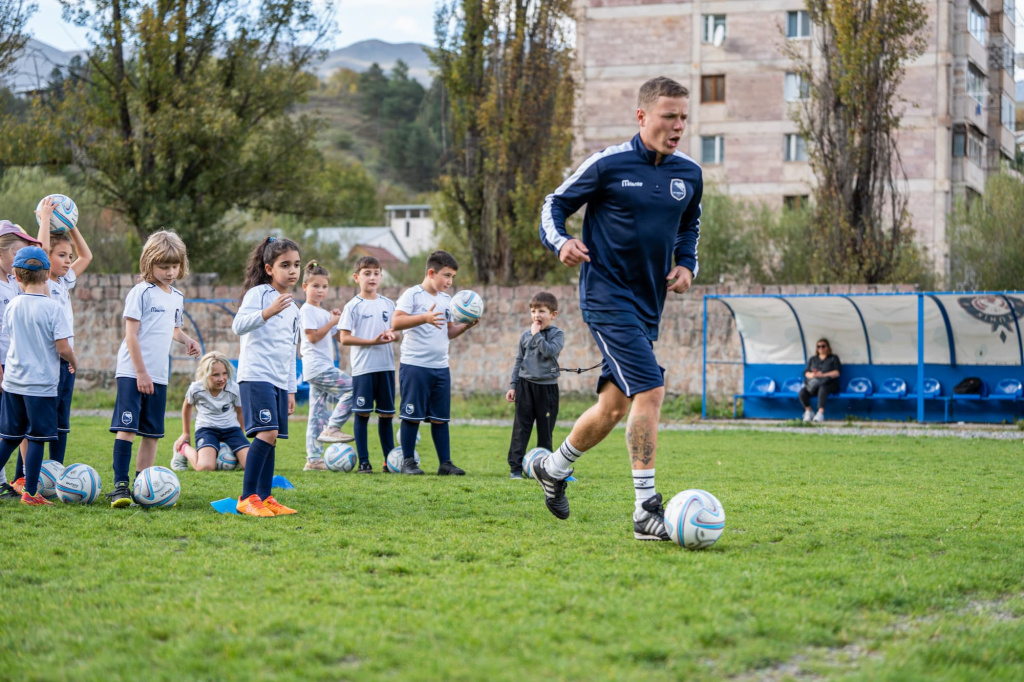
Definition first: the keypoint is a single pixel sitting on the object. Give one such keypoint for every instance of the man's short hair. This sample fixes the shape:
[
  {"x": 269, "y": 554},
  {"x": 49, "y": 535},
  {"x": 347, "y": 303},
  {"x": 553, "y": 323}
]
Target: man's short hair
[
  {"x": 659, "y": 87},
  {"x": 546, "y": 300},
  {"x": 439, "y": 260}
]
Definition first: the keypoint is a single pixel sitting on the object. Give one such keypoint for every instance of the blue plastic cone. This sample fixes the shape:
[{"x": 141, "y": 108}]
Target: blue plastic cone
[
  {"x": 282, "y": 483},
  {"x": 225, "y": 506}
]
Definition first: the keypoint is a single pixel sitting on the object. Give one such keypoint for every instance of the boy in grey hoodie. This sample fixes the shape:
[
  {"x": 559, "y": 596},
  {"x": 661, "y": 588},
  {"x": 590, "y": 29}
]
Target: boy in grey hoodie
[{"x": 534, "y": 382}]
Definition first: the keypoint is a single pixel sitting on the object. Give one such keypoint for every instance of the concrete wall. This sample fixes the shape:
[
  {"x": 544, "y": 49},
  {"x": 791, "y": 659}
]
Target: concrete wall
[{"x": 481, "y": 360}]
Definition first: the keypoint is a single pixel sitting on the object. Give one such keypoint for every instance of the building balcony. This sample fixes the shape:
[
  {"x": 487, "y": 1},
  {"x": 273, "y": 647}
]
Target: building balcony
[
  {"x": 970, "y": 110},
  {"x": 976, "y": 52},
  {"x": 1007, "y": 141},
  {"x": 967, "y": 171},
  {"x": 1006, "y": 81},
  {"x": 1006, "y": 25}
]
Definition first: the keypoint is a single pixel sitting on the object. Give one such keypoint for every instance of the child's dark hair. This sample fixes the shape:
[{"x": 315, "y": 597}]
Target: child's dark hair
[
  {"x": 263, "y": 254},
  {"x": 544, "y": 299},
  {"x": 440, "y": 260},
  {"x": 314, "y": 269},
  {"x": 367, "y": 262}
]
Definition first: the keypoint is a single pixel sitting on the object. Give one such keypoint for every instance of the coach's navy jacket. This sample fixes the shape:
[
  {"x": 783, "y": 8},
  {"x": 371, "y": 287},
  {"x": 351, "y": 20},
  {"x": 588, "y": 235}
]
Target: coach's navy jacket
[{"x": 639, "y": 216}]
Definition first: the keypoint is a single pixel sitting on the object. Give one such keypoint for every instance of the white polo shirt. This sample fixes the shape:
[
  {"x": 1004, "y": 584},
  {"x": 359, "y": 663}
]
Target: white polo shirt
[
  {"x": 367, "y": 318},
  {"x": 425, "y": 345},
  {"x": 267, "y": 347},
  {"x": 35, "y": 323},
  {"x": 159, "y": 313},
  {"x": 214, "y": 411}
]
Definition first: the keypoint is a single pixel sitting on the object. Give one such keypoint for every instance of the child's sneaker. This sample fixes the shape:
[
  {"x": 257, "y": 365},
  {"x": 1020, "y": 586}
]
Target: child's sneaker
[
  {"x": 449, "y": 469},
  {"x": 277, "y": 508},
  {"x": 367, "y": 468},
  {"x": 179, "y": 462},
  {"x": 253, "y": 506},
  {"x": 19, "y": 485},
  {"x": 313, "y": 465},
  {"x": 516, "y": 475},
  {"x": 384, "y": 468},
  {"x": 332, "y": 434},
  {"x": 7, "y": 492},
  {"x": 121, "y": 497},
  {"x": 36, "y": 500}
]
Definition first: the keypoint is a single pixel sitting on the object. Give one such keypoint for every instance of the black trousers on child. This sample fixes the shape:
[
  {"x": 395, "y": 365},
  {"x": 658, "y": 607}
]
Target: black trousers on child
[{"x": 534, "y": 403}]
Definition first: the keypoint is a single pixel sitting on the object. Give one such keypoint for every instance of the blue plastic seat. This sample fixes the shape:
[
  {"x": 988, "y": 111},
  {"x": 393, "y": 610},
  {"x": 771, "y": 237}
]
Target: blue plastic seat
[
  {"x": 894, "y": 387},
  {"x": 1007, "y": 389},
  {"x": 762, "y": 386},
  {"x": 858, "y": 387},
  {"x": 931, "y": 388},
  {"x": 792, "y": 386}
]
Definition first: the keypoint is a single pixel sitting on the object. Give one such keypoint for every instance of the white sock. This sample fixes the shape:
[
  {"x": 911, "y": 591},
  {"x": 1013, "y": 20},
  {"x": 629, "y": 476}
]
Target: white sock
[
  {"x": 643, "y": 486},
  {"x": 562, "y": 459}
]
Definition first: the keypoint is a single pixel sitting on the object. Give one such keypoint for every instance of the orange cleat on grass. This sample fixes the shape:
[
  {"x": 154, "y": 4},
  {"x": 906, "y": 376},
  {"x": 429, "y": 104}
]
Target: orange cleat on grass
[
  {"x": 253, "y": 506},
  {"x": 278, "y": 508},
  {"x": 36, "y": 500},
  {"x": 19, "y": 485}
]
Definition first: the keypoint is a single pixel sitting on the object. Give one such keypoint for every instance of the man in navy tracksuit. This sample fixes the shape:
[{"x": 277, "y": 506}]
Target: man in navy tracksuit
[{"x": 643, "y": 213}]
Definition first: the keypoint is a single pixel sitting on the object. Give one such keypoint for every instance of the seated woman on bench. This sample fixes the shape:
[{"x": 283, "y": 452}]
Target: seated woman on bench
[{"x": 821, "y": 378}]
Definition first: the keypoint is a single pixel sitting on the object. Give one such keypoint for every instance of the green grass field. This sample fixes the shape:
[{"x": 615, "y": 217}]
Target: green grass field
[{"x": 843, "y": 557}]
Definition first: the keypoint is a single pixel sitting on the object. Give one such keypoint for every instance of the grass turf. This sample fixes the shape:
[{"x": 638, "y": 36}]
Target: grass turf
[{"x": 860, "y": 558}]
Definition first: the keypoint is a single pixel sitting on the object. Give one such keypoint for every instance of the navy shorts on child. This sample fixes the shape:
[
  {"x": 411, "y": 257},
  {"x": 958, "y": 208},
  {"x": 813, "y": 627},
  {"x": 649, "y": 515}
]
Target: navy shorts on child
[
  {"x": 376, "y": 389},
  {"x": 64, "y": 393},
  {"x": 210, "y": 437},
  {"x": 426, "y": 393},
  {"x": 28, "y": 416},
  {"x": 137, "y": 412},
  {"x": 264, "y": 408}
]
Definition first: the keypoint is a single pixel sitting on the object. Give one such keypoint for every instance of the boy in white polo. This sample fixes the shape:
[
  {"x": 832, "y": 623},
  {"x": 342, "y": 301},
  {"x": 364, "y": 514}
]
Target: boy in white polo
[
  {"x": 366, "y": 326},
  {"x": 39, "y": 339}
]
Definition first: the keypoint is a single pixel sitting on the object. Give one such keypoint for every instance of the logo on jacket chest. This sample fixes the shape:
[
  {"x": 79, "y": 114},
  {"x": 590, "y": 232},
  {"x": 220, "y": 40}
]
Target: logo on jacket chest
[
  {"x": 630, "y": 183},
  {"x": 677, "y": 188}
]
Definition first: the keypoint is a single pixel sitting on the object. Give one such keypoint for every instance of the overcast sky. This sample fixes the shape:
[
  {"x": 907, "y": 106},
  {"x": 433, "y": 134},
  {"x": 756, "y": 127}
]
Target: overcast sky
[{"x": 395, "y": 21}]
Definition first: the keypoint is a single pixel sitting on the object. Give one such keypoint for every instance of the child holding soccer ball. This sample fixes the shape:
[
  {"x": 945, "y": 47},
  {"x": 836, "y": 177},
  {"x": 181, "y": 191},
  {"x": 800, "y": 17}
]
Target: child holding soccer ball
[
  {"x": 327, "y": 383},
  {"x": 218, "y": 405},
  {"x": 366, "y": 326},
  {"x": 268, "y": 324}
]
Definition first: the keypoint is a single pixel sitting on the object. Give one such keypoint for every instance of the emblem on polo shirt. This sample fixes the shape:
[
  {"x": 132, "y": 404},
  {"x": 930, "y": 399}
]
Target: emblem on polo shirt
[
  {"x": 678, "y": 189},
  {"x": 265, "y": 416}
]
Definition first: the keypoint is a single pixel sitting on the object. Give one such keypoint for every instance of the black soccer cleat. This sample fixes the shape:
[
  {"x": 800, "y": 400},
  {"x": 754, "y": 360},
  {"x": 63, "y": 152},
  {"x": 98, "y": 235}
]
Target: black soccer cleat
[
  {"x": 122, "y": 495},
  {"x": 516, "y": 475},
  {"x": 8, "y": 493},
  {"x": 649, "y": 524},
  {"x": 449, "y": 469},
  {"x": 554, "y": 489},
  {"x": 410, "y": 468},
  {"x": 367, "y": 468},
  {"x": 384, "y": 468}
]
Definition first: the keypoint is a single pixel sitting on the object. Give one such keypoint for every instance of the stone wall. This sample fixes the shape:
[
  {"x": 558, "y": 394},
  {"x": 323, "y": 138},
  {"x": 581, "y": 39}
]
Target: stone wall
[{"x": 481, "y": 360}]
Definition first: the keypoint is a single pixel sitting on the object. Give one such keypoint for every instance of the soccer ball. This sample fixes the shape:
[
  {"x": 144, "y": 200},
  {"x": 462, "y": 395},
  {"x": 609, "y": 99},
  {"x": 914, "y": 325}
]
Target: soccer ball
[
  {"x": 467, "y": 306},
  {"x": 226, "y": 460},
  {"x": 156, "y": 487},
  {"x": 340, "y": 457},
  {"x": 531, "y": 457},
  {"x": 695, "y": 519},
  {"x": 65, "y": 213},
  {"x": 48, "y": 476},
  {"x": 78, "y": 483},
  {"x": 395, "y": 458}
]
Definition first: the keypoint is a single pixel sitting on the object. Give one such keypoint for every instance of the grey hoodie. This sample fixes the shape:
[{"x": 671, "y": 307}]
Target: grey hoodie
[{"x": 537, "y": 360}]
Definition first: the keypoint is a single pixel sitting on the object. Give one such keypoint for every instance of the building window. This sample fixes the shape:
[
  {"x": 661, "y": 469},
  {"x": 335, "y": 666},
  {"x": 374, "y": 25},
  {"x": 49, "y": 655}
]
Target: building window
[
  {"x": 795, "y": 202},
  {"x": 959, "y": 141},
  {"x": 712, "y": 23},
  {"x": 414, "y": 213},
  {"x": 1010, "y": 10},
  {"x": 976, "y": 86},
  {"x": 712, "y": 89},
  {"x": 712, "y": 149},
  {"x": 975, "y": 148},
  {"x": 977, "y": 23},
  {"x": 1006, "y": 112},
  {"x": 796, "y": 148},
  {"x": 796, "y": 88},
  {"x": 798, "y": 24}
]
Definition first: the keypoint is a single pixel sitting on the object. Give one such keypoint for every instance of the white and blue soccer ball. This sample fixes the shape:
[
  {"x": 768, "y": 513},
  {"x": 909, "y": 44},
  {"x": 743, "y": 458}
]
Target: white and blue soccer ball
[
  {"x": 78, "y": 483},
  {"x": 340, "y": 457},
  {"x": 532, "y": 456},
  {"x": 65, "y": 213},
  {"x": 156, "y": 487},
  {"x": 396, "y": 457},
  {"x": 467, "y": 306},
  {"x": 226, "y": 459},
  {"x": 695, "y": 519},
  {"x": 48, "y": 475}
]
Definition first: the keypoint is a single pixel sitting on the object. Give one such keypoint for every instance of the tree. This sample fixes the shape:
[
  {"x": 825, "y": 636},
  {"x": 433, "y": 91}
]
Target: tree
[
  {"x": 14, "y": 14},
  {"x": 182, "y": 114},
  {"x": 986, "y": 250},
  {"x": 506, "y": 70},
  {"x": 862, "y": 230}
]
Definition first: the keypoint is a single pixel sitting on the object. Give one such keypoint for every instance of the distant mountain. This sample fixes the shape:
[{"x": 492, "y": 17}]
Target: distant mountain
[
  {"x": 32, "y": 69},
  {"x": 359, "y": 56}
]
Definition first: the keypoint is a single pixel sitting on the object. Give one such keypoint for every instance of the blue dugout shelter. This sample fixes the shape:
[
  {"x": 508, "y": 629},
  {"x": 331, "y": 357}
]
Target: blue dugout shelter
[{"x": 902, "y": 354}]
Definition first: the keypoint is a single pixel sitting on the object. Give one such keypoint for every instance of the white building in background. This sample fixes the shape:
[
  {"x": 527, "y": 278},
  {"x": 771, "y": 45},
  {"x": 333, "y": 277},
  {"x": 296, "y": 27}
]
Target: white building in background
[
  {"x": 347, "y": 238},
  {"x": 413, "y": 226}
]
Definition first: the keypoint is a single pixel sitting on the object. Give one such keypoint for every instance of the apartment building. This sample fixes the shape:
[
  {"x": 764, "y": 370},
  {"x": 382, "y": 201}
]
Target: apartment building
[{"x": 958, "y": 119}]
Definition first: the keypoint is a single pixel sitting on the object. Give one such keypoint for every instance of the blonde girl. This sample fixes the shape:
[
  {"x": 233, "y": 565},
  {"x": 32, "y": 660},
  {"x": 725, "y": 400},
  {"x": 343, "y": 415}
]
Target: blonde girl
[
  {"x": 327, "y": 383},
  {"x": 218, "y": 406}
]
